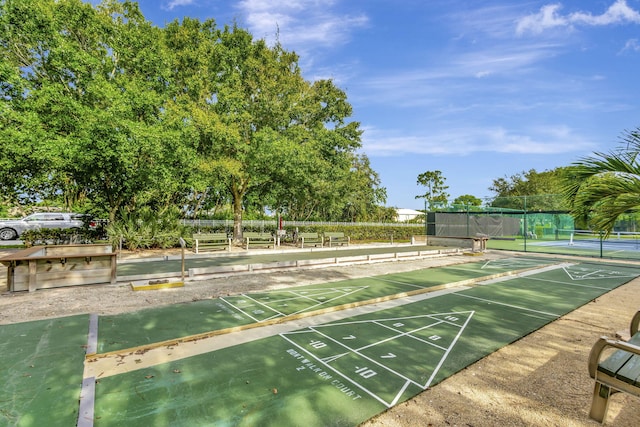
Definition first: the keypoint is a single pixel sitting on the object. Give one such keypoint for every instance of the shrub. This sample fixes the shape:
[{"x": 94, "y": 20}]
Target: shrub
[{"x": 146, "y": 229}]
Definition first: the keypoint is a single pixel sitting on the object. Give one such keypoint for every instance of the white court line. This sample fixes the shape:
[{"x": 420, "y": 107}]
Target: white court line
[
  {"x": 327, "y": 301},
  {"x": 240, "y": 310},
  {"x": 363, "y": 388},
  {"x": 404, "y": 334},
  {"x": 507, "y": 305},
  {"x": 525, "y": 273},
  {"x": 571, "y": 284},
  {"x": 446, "y": 354},
  {"x": 278, "y": 313},
  {"x": 326, "y": 361}
]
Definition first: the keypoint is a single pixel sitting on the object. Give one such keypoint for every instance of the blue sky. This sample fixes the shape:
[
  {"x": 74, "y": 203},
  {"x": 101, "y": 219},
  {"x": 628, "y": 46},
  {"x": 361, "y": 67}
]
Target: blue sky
[{"x": 479, "y": 89}]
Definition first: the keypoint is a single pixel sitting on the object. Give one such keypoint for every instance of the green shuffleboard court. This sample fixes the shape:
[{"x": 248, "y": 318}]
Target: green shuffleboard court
[
  {"x": 160, "y": 324},
  {"x": 41, "y": 373},
  {"x": 325, "y": 373},
  {"x": 344, "y": 372}
]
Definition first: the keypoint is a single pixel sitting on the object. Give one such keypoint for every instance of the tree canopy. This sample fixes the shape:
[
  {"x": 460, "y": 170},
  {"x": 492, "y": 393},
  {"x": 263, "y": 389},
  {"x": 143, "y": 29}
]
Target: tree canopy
[
  {"x": 467, "y": 200},
  {"x": 530, "y": 190},
  {"x": 435, "y": 188},
  {"x": 102, "y": 111}
]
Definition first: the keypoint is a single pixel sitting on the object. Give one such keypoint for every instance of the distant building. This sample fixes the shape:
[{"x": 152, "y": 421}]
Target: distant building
[{"x": 407, "y": 214}]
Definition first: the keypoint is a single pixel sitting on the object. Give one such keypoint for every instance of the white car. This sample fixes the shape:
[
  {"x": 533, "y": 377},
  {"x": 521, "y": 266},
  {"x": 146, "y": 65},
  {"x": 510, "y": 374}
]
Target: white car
[{"x": 11, "y": 229}]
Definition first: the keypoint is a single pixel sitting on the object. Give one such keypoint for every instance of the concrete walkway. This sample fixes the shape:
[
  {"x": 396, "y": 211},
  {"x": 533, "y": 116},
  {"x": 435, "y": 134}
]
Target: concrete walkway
[{"x": 133, "y": 268}]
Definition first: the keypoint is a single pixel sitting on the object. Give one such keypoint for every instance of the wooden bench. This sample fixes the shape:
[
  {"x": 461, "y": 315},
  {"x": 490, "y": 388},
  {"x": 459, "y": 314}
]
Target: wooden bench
[
  {"x": 253, "y": 239},
  {"x": 336, "y": 238},
  {"x": 618, "y": 372},
  {"x": 204, "y": 241},
  {"x": 310, "y": 239}
]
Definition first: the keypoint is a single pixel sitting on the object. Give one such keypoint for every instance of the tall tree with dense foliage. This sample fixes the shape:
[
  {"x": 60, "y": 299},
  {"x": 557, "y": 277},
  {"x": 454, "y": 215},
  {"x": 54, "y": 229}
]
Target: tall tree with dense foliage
[
  {"x": 530, "y": 190},
  {"x": 601, "y": 187},
  {"x": 273, "y": 125},
  {"x": 467, "y": 200},
  {"x": 109, "y": 112},
  {"x": 92, "y": 87},
  {"x": 435, "y": 187}
]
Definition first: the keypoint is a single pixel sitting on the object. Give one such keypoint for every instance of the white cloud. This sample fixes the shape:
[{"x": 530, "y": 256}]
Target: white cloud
[
  {"x": 617, "y": 13},
  {"x": 300, "y": 24},
  {"x": 467, "y": 141},
  {"x": 631, "y": 45},
  {"x": 549, "y": 17},
  {"x": 176, "y": 3}
]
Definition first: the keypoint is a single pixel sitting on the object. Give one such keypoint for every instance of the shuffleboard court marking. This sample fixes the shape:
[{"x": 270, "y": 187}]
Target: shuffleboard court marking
[
  {"x": 316, "y": 297},
  {"x": 526, "y": 273},
  {"x": 575, "y": 273},
  {"x": 368, "y": 365},
  {"x": 517, "y": 307},
  {"x": 250, "y": 314},
  {"x": 512, "y": 263},
  {"x": 114, "y": 362},
  {"x": 127, "y": 360},
  {"x": 560, "y": 282},
  {"x": 585, "y": 273}
]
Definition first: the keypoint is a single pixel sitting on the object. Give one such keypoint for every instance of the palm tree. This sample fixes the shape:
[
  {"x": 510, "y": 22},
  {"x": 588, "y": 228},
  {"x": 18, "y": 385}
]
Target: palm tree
[{"x": 601, "y": 187}]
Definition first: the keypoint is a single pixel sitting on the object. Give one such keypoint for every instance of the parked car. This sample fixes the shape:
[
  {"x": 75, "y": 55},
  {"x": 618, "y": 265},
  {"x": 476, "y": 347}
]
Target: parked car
[{"x": 11, "y": 229}]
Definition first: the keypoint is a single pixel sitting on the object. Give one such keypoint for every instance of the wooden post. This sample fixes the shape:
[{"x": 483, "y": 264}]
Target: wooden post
[{"x": 183, "y": 244}]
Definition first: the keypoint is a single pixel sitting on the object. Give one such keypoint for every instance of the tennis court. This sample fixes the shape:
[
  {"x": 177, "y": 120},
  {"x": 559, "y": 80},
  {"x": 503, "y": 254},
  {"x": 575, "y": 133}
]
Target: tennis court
[
  {"x": 622, "y": 245},
  {"x": 326, "y": 372}
]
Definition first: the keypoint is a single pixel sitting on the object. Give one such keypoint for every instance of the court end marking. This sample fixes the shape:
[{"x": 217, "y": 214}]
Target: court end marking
[
  {"x": 358, "y": 289},
  {"x": 256, "y": 320},
  {"x": 446, "y": 354},
  {"x": 528, "y": 272},
  {"x": 598, "y": 273},
  {"x": 295, "y": 297},
  {"x": 560, "y": 282},
  {"x": 326, "y": 361},
  {"x": 554, "y": 315}
]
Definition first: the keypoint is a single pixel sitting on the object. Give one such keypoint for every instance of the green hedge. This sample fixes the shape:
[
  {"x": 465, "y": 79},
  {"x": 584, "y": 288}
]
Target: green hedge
[
  {"x": 357, "y": 233},
  {"x": 136, "y": 239},
  {"x": 360, "y": 233},
  {"x": 59, "y": 236}
]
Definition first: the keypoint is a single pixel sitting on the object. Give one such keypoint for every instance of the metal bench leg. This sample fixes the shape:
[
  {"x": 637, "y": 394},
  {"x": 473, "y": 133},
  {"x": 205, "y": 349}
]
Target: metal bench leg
[{"x": 600, "y": 402}]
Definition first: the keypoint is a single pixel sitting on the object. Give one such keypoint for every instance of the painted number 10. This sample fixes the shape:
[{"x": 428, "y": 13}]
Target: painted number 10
[{"x": 365, "y": 372}]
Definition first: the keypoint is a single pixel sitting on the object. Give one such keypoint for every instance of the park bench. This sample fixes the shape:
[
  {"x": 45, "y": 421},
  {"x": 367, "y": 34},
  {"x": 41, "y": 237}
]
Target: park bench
[
  {"x": 619, "y": 371},
  {"x": 204, "y": 241},
  {"x": 254, "y": 239},
  {"x": 336, "y": 238},
  {"x": 309, "y": 239}
]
